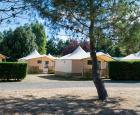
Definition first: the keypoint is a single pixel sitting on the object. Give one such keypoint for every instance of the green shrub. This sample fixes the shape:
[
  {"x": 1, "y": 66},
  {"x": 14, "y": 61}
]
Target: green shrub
[
  {"x": 12, "y": 71},
  {"x": 124, "y": 70}
]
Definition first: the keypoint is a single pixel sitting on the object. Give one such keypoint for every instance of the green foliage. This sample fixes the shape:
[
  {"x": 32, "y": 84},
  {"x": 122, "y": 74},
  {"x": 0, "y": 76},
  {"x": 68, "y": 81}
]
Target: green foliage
[
  {"x": 51, "y": 47},
  {"x": 18, "y": 43},
  {"x": 12, "y": 71},
  {"x": 131, "y": 41},
  {"x": 115, "y": 51},
  {"x": 124, "y": 70},
  {"x": 56, "y": 46},
  {"x": 40, "y": 37},
  {"x": 1, "y": 37},
  {"x": 23, "y": 40},
  {"x": 60, "y": 46}
]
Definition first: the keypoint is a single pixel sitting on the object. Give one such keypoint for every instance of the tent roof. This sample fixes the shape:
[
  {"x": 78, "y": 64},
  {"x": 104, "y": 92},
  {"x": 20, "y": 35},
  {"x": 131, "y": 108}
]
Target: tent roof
[
  {"x": 52, "y": 57},
  {"x": 103, "y": 56},
  {"x": 137, "y": 54},
  {"x": 79, "y": 54},
  {"x": 35, "y": 54},
  {"x": 132, "y": 56},
  {"x": 2, "y": 56}
]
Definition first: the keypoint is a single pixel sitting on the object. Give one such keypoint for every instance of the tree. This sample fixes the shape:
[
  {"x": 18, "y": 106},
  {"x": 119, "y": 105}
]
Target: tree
[
  {"x": 4, "y": 45},
  {"x": 18, "y": 43},
  {"x": 131, "y": 41},
  {"x": 60, "y": 46},
  {"x": 86, "y": 17},
  {"x": 40, "y": 37},
  {"x": 1, "y": 37},
  {"x": 73, "y": 44},
  {"x": 51, "y": 47},
  {"x": 115, "y": 51},
  {"x": 12, "y": 11},
  {"x": 85, "y": 45}
]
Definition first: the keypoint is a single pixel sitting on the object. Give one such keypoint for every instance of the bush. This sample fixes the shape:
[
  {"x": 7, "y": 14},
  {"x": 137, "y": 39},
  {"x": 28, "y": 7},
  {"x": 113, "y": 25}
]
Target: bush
[
  {"x": 12, "y": 71},
  {"x": 124, "y": 70}
]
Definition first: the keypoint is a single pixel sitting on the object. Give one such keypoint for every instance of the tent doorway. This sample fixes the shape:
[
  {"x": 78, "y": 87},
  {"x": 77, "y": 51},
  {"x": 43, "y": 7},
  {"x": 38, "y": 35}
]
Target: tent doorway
[{"x": 45, "y": 66}]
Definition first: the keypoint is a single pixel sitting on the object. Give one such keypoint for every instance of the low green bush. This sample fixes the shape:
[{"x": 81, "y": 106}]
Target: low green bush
[
  {"x": 124, "y": 70},
  {"x": 12, "y": 71}
]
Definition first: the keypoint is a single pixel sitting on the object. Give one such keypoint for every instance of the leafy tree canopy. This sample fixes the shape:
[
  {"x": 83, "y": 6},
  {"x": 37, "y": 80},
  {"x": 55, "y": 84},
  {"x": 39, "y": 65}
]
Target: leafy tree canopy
[
  {"x": 23, "y": 40},
  {"x": 40, "y": 37},
  {"x": 18, "y": 43}
]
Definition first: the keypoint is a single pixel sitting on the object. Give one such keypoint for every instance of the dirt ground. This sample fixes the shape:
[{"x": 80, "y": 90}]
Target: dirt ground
[{"x": 70, "y": 101}]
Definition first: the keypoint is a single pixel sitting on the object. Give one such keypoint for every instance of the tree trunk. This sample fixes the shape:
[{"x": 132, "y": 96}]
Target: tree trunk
[{"x": 102, "y": 93}]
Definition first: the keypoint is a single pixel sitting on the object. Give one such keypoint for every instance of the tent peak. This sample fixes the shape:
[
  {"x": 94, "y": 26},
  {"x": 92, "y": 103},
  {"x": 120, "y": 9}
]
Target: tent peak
[
  {"x": 34, "y": 52},
  {"x": 79, "y": 49}
]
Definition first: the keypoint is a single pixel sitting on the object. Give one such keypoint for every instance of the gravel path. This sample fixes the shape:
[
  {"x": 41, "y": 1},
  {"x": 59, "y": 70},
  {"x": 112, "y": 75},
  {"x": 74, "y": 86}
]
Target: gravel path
[
  {"x": 70, "y": 84},
  {"x": 35, "y": 82}
]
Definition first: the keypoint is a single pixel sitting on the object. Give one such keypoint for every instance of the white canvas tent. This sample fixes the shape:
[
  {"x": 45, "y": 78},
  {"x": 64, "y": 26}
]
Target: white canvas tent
[
  {"x": 52, "y": 57},
  {"x": 77, "y": 62},
  {"x": 38, "y": 63},
  {"x": 78, "y": 54},
  {"x": 32, "y": 55},
  {"x": 135, "y": 56}
]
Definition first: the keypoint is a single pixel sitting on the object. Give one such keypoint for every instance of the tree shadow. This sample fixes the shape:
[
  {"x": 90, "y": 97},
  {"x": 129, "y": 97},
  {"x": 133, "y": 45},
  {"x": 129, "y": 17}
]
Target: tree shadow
[
  {"x": 62, "y": 105},
  {"x": 121, "y": 81},
  {"x": 10, "y": 80},
  {"x": 60, "y": 78},
  {"x": 75, "y": 78}
]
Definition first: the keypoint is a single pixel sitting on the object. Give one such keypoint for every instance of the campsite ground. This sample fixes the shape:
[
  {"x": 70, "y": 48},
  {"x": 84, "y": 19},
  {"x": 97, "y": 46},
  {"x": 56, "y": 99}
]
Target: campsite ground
[{"x": 37, "y": 96}]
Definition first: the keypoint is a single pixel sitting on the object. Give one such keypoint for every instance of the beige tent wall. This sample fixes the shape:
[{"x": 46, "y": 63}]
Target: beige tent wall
[
  {"x": 80, "y": 66},
  {"x": 33, "y": 63},
  {"x": 2, "y": 58},
  {"x": 63, "y": 67},
  {"x": 103, "y": 70},
  {"x": 77, "y": 66}
]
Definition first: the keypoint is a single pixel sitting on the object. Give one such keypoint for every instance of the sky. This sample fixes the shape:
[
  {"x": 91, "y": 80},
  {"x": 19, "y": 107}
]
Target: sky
[
  {"x": 5, "y": 26},
  {"x": 25, "y": 18}
]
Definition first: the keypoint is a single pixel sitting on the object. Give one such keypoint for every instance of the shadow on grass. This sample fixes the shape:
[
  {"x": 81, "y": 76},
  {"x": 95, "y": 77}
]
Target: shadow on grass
[{"x": 62, "y": 105}]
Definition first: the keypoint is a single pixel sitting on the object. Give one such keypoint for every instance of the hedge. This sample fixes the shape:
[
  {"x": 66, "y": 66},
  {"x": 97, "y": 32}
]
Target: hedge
[
  {"x": 12, "y": 71},
  {"x": 124, "y": 70}
]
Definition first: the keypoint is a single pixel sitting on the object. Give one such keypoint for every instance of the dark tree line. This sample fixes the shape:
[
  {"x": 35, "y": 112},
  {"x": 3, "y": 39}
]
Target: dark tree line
[{"x": 59, "y": 47}]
